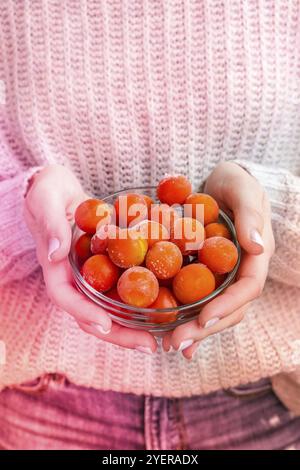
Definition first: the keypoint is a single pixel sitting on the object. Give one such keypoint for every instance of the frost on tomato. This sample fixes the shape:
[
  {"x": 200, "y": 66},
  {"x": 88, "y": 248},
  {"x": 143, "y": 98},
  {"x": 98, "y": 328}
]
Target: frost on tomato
[
  {"x": 164, "y": 259},
  {"x": 138, "y": 286},
  {"x": 219, "y": 254},
  {"x": 100, "y": 272}
]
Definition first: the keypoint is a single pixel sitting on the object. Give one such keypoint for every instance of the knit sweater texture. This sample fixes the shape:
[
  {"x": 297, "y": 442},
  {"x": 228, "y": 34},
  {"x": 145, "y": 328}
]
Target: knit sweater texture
[{"x": 122, "y": 93}]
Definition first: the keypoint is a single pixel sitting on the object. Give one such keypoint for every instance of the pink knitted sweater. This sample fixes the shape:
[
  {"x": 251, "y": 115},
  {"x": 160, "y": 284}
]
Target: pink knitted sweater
[{"x": 122, "y": 92}]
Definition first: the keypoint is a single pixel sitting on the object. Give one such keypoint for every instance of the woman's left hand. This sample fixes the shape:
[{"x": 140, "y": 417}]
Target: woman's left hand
[{"x": 240, "y": 194}]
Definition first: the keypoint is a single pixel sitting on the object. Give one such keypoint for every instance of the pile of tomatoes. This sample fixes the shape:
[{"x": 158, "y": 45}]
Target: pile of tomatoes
[{"x": 152, "y": 255}]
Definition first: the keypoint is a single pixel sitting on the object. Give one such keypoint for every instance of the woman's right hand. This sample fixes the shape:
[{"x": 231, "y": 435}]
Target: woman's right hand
[{"x": 50, "y": 203}]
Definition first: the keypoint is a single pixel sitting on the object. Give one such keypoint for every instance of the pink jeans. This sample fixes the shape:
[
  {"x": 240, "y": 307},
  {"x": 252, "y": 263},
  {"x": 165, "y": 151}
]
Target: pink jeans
[{"x": 64, "y": 416}]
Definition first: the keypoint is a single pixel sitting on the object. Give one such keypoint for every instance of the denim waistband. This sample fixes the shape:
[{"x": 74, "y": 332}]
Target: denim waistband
[{"x": 42, "y": 383}]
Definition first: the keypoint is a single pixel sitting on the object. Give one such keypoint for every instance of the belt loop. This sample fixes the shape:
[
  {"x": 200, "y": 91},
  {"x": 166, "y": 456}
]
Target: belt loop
[{"x": 41, "y": 384}]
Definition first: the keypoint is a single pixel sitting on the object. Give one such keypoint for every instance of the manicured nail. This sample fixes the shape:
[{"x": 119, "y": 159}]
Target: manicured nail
[
  {"x": 144, "y": 349},
  {"x": 211, "y": 322},
  {"x": 171, "y": 349},
  {"x": 256, "y": 238},
  {"x": 101, "y": 329},
  {"x": 185, "y": 344},
  {"x": 54, "y": 244}
]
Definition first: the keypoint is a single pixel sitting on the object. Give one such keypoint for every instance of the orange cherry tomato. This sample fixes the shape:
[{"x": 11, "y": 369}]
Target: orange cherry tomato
[
  {"x": 138, "y": 286},
  {"x": 164, "y": 259},
  {"x": 188, "y": 235},
  {"x": 219, "y": 278},
  {"x": 174, "y": 189},
  {"x": 217, "y": 229},
  {"x": 149, "y": 201},
  {"x": 92, "y": 213},
  {"x": 164, "y": 215},
  {"x": 210, "y": 207},
  {"x": 100, "y": 272},
  {"x": 99, "y": 242},
  {"x": 114, "y": 295},
  {"x": 83, "y": 247},
  {"x": 192, "y": 283},
  {"x": 152, "y": 231},
  {"x": 219, "y": 254},
  {"x": 131, "y": 209},
  {"x": 165, "y": 299},
  {"x": 128, "y": 249}
]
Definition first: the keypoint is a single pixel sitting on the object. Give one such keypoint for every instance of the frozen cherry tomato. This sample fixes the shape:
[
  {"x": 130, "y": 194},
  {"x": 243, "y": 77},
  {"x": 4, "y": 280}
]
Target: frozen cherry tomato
[
  {"x": 92, "y": 213},
  {"x": 193, "y": 282},
  {"x": 210, "y": 207},
  {"x": 165, "y": 299},
  {"x": 164, "y": 259},
  {"x": 99, "y": 242},
  {"x": 219, "y": 278},
  {"x": 114, "y": 295},
  {"x": 218, "y": 254},
  {"x": 174, "y": 189},
  {"x": 149, "y": 201},
  {"x": 100, "y": 272},
  {"x": 138, "y": 286},
  {"x": 164, "y": 215},
  {"x": 152, "y": 231},
  {"x": 188, "y": 235},
  {"x": 131, "y": 209},
  {"x": 217, "y": 229},
  {"x": 83, "y": 247},
  {"x": 128, "y": 249}
]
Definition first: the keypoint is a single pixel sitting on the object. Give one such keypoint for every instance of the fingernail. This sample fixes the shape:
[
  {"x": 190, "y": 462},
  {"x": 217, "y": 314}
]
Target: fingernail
[
  {"x": 144, "y": 349},
  {"x": 171, "y": 349},
  {"x": 54, "y": 244},
  {"x": 101, "y": 329},
  {"x": 185, "y": 344},
  {"x": 211, "y": 322},
  {"x": 256, "y": 238}
]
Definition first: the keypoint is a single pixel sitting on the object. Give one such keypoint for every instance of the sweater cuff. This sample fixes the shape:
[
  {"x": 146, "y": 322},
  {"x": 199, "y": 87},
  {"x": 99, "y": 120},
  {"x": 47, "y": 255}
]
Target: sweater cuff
[
  {"x": 17, "y": 247},
  {"x": 282, "y": 187}
]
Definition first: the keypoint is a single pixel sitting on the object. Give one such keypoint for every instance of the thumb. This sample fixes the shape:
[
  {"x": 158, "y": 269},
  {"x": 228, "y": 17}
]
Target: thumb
[
  {"x": 55, "y": 229},
  {"x": 59, "y": 240},
  {"x": 249, "y": 223},
  {"x": 237, "y": 190}
]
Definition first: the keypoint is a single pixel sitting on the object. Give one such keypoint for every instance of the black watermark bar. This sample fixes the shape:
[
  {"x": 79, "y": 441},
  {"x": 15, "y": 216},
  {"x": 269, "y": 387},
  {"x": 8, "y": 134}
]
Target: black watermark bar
[{"x": 138, "y": 459}]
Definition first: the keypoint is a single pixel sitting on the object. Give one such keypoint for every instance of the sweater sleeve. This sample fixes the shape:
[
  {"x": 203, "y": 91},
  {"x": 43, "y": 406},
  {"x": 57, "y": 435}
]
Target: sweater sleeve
[
  {"x": 17, "y": 248},
  {"x": 283, "y": 189}
]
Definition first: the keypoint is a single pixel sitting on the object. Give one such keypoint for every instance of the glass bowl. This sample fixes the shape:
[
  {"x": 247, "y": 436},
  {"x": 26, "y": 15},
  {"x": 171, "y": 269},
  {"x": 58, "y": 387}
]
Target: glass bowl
[{"x": 147, "y": 318}]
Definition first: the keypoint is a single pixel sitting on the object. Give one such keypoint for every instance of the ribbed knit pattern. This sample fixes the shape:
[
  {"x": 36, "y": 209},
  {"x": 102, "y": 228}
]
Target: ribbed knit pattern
[{"x": 123, "y": 92}]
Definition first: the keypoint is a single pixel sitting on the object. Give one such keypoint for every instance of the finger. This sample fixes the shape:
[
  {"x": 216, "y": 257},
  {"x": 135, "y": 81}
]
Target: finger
[
  {"x": 237, "y": 190},
  {"x": 248, "y": 209},
  {"x": 166, "y": 342},
  {"x": 125, "y": 337},
  {"x": 184, "y": 336},
  {"x": 49, "y": 211},
  {"x": 232, "y": 320},
  {"x": 249, "y": 285}
]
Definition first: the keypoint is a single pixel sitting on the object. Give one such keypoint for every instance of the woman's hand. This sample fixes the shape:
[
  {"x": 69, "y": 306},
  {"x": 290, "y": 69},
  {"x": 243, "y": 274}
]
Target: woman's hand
[
  {"x": 53, "y": 196},
  {"x": 240, "y": 195}
]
